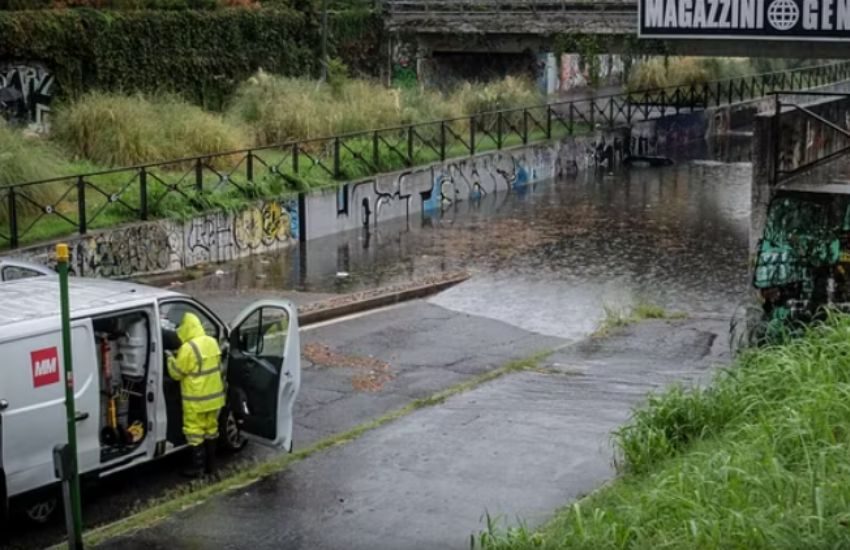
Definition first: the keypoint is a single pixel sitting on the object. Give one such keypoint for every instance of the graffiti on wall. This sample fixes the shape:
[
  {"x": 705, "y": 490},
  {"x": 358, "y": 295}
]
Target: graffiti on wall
[
  {"x": 436, "y": 188},
  {"x": 576, "y": 72},
  {"x": 148, "y": 248},
  {"x": 169, "y": 245},
  {"x": 26, "y": 90},
  {"x": 403, "y": 64}
]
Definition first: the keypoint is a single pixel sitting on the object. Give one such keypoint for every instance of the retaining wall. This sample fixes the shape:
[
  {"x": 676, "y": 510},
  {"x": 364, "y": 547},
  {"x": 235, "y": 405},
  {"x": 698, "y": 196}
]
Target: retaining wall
[
  {"x": 171, "y": 245},
  {"x": 802, "y": 140}
]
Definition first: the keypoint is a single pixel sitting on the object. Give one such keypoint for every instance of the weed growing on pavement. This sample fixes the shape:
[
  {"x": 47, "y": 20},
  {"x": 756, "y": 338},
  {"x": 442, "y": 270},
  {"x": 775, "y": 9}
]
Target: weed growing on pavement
[
  {"x": 615, "y": 317},
  {"x": 192, "y": 494},
  {"x": 758, "y": 459}
]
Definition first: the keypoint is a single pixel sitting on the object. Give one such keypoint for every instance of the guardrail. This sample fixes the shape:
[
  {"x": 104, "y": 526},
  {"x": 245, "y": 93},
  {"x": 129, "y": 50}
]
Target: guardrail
[
  {"x": 840, "y": 144},
  {"x": 43, "y": 209}
]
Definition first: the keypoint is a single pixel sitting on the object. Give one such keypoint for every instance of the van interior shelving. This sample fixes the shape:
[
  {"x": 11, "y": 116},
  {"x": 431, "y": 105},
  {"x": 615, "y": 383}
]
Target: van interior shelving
[{"x": 122, "y": 343}]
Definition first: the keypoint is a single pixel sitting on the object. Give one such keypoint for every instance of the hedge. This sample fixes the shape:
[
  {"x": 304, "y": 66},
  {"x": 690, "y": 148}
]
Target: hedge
[{"x": 199, "y": 54}]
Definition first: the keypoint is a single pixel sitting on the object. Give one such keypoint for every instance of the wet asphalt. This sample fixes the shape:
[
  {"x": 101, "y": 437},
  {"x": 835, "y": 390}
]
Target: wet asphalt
[
  {"x": 545, "y": 264},
  {"x": 517, "y": 447}
]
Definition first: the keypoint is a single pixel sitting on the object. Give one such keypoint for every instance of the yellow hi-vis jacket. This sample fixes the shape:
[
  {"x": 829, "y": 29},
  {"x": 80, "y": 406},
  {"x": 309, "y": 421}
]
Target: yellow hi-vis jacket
[{"x": 197, "y": 367}]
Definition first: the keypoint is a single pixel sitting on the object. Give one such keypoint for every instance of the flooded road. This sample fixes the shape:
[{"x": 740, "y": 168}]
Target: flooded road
[
  {"x": 545, "y": 263},
  {"x": 551, "y": 258}
]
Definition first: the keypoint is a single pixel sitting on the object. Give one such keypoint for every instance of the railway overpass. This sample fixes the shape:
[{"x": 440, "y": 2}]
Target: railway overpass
[{"x": 447, "y": 32}]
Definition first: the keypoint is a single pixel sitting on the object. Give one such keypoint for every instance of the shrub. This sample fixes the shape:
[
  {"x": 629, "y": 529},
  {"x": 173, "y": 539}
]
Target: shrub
[
  {"x": 27, "y": 159},
  {"x": 120, "y": 130}
]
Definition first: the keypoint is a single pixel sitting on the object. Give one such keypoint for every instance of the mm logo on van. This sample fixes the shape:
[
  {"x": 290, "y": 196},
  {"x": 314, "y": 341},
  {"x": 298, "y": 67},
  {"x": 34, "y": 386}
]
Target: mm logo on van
[{"x": 45, "y": 367}]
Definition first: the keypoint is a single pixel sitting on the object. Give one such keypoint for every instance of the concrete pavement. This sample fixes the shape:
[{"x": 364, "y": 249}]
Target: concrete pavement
[{"x": 516, "y": 447}]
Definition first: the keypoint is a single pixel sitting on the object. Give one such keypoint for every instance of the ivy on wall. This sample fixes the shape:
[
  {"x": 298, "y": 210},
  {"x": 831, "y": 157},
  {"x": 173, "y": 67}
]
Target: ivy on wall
[{"x": 199, "y": 54}]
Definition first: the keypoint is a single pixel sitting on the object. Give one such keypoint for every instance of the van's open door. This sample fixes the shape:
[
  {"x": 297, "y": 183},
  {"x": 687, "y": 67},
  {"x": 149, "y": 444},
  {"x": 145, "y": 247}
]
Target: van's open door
[{"x": 264, "y": 371}]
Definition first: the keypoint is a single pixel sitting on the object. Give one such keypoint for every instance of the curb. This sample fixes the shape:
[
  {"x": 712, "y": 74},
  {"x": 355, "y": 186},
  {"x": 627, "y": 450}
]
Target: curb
[{"x": 313, "y": 316}]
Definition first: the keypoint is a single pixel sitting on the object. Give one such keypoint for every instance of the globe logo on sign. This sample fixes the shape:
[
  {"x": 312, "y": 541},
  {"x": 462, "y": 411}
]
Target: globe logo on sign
[{"x": 783, "y": 14}]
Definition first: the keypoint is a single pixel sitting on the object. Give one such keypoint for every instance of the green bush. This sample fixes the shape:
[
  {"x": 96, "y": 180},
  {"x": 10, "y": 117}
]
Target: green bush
[
  {"x": 28, "y": 159},
  {"x": 122, "y": 130}
]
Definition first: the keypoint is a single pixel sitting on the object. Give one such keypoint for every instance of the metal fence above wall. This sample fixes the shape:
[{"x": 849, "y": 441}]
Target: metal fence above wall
[{"x": 43, "y": 209}]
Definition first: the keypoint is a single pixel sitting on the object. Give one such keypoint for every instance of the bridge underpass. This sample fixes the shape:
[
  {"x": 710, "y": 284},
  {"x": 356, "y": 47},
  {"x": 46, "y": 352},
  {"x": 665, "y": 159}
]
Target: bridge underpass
[{"x": 445, "y": 37}]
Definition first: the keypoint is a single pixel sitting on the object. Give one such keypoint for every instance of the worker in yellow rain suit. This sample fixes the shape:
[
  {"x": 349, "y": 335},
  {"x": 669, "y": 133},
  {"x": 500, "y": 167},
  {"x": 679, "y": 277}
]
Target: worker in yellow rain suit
[{"x": 197, "y": 367}]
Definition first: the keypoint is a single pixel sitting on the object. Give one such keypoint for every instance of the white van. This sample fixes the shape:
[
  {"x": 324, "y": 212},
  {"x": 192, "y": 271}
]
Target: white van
[{"x": 129, "y": 410}]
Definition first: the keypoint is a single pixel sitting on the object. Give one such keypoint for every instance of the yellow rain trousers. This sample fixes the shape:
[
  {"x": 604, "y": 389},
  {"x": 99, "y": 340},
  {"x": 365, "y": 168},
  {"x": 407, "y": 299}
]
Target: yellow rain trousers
[{"x": 197, "y": 367}]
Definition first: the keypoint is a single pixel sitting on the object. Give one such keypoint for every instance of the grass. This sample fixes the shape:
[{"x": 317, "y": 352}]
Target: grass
[
  {"x": 658, "y": 72},
  {"x": 26, "y": 159},
  {"x": 616, "y": 318},
  {"x": 193, "y": 494},
  {"x": 116, "y": 130},
  {"x": 284, "y": 182},
  {"x": 758, "y": 459}
]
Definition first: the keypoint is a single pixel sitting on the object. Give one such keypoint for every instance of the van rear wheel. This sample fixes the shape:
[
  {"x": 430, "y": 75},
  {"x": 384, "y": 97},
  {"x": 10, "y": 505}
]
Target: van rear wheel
[{"x": 231, "y": 439}]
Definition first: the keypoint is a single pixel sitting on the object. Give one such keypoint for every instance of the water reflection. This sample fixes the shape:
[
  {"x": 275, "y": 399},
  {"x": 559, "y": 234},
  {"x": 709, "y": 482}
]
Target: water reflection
[{"x": 550, "y": 259}]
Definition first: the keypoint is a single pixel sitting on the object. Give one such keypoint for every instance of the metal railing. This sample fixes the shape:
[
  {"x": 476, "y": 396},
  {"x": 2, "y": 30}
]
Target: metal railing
[
  {"x": 38, "y": 210},
  {"x": 839, "y": 144}
]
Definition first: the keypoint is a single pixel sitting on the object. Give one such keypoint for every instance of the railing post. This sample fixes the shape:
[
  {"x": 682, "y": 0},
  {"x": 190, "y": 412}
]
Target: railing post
[
  {"x": 296, "y": 149},
  {"x": 524, "y": 126},
  {"x": 376, "y": 151},
  {"x": 336, "y": 167},
  {"x": 472, "y": 135},
  {"x": 677, "y": 99},
  {"x": 13, "y": 219},
  {"x": 81, "y": 204},
  {"x": 719, "y": 93},
  {"x": 572, "y": 118},
  {"x": 498, "y": 129},
  {"x": 628, "y": 108},
  {"x": 443, "y": 140},
  {"x": 611, "y": 113},
  {"x": 592, "y": 115},
  {"x": 143, "y": 194},
  {"x": 199, "y": 174},
  {"x": 549, "y": 121},
  {"x": 249, "y": 166},
  {"x": 410, "y": 145},
  {"x": 730, "y": 92}
]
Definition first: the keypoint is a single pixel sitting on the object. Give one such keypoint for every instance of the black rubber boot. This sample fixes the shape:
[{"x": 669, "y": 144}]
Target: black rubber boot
[
  {"x": 196, "y": 469},
  {"x": 210, "y": 446}
]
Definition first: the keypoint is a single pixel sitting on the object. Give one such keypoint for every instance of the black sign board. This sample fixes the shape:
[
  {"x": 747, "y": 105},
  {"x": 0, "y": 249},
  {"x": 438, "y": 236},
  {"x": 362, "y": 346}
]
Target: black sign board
[{"x": 748, "y": 19}]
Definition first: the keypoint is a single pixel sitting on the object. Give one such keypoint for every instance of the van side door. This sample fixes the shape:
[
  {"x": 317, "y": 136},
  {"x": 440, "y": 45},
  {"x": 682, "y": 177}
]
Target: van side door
[{"x": 264, "y": 371}]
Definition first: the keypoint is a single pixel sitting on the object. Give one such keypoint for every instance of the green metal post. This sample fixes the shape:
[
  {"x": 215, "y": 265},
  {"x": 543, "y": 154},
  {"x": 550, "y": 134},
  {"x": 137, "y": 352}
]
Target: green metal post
[{"x": 75, "y": 539}]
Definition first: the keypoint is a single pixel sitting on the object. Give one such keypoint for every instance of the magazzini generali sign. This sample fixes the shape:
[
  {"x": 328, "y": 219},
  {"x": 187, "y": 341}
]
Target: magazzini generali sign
[{"x": 754, "y": 19}]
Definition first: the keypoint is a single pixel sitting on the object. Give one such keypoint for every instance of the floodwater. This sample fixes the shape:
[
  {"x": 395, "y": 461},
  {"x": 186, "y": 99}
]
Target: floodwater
[{"x": 554, "y": 256}]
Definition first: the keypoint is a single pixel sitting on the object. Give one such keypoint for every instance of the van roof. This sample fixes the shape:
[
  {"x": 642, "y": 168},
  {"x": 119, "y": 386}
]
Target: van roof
[{"x": 38, "y": 297}]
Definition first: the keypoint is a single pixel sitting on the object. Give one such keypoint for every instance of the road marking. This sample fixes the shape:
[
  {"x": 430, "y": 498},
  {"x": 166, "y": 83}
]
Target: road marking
[{"x": 352, "y": 316}]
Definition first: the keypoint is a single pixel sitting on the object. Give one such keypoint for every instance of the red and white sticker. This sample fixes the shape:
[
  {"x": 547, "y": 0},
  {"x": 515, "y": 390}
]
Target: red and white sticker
[{"x": 45, "y": 367}]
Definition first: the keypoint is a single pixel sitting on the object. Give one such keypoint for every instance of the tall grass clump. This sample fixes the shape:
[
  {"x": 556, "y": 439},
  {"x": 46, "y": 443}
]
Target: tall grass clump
[
  {"x": 25, "y": 159},
  {"x": 280, "y": 109},
  {"x": 114, "y": 130},
  {"x": 758, "y": 459},
  {"x": 507, "y": 93},
  {"x": 658, "y": 72}
]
